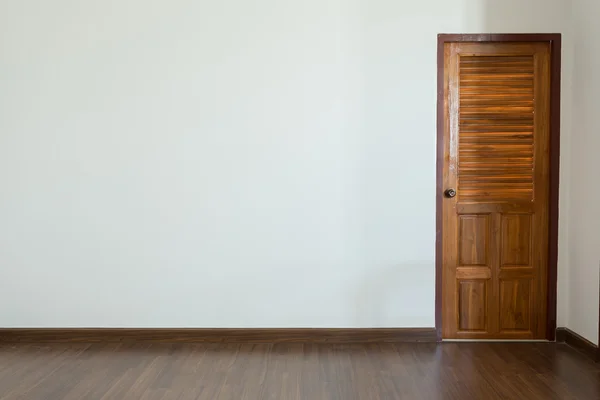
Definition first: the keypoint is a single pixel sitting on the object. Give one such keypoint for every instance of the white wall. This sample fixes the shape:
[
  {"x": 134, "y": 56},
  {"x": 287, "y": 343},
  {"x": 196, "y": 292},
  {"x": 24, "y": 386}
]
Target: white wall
[
  {"x": 584, "y": 214},
  {"x": 229, "y": 164}
]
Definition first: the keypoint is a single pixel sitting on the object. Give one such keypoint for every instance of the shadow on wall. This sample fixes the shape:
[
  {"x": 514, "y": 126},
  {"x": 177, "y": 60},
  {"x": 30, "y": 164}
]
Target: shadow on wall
[
  {"x": 512, "y": 16},
  {"x": 516, "y": 16}
]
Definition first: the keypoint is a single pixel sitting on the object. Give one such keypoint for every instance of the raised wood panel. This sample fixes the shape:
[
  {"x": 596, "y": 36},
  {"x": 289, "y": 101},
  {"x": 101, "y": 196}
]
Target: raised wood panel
[
  {"x": 516, "y": 273},
  {"x": 516, "y": 240},
  {"x": 473, "y": 239},
  {"x": 472, "y": 305},
  {"x": 496, "y": 128},
  {"x": 515, "y": 305},
  {"x": 473, "y": 273}
]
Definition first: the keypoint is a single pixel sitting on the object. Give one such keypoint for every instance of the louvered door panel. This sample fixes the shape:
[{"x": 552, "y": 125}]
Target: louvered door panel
[
  {"x": 496, "y": 120},
  {"x": 495, "y": 228}
]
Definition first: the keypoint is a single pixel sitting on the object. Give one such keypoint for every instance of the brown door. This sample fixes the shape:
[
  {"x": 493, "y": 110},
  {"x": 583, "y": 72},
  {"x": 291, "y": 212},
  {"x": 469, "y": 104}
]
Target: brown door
[{"x": 496, "y": 182}]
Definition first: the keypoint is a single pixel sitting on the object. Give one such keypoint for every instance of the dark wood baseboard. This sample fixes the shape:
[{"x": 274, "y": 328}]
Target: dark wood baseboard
[
  {"x": 561, "y": 335},
  {"x": 191, "y": 335},
  {"x": 578, "y": 342}
]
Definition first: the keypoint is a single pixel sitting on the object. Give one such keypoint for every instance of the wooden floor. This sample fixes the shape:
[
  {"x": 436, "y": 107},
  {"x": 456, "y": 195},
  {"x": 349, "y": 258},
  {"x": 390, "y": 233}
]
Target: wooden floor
[{"x": 296, "y": 371}]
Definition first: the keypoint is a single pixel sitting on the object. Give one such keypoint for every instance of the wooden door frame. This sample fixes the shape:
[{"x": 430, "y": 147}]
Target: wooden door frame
[{"x": 555, "y": 44}]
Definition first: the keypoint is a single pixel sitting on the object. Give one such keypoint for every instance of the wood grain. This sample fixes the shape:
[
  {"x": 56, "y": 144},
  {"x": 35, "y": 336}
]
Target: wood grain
[
  {"x": 439, "y": 184},
  {"x": 499, "y": 37},
  {"x": 519, "y": 102},
  {"x": 496, "y": 153},
  {"x": 296, "y": 371},
  {"x": 496, "y": 128},
  {"x": 578, "y": 342},
  {"x": 556, "y": 48},
  {"x": 108, "y": 335}
]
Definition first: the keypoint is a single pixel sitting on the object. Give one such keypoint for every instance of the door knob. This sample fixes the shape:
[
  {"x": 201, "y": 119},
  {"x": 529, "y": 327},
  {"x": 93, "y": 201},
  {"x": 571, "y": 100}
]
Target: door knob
[{"x": 450, "y": 193}]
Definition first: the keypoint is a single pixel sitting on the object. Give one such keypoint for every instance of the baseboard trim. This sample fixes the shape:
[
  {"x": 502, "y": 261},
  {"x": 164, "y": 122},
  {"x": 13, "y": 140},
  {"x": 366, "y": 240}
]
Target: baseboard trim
[
  {"x": 191, "y": 335},
  {"x": 578, "y": 342}
]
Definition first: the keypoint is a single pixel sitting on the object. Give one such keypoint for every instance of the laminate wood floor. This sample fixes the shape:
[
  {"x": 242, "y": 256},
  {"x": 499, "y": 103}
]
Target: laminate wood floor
[{"x": 297, "y": 371}]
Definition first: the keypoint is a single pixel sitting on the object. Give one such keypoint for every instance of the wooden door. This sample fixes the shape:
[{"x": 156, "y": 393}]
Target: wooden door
[{"x": 496, "y": 182}]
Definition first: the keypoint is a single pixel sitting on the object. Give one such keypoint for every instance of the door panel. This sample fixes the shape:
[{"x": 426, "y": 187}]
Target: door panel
[
  {"x": 496, "y": 138},
  {"x": 515, "y": 305},
  {"x": 516, "y": 240},
  {"x": 472, "y": 301},
  {"x": 473, "y": 237}
]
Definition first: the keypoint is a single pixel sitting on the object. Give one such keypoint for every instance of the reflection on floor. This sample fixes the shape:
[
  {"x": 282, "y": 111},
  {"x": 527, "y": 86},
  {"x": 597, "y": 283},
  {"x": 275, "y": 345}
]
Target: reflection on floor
[{"x": 297, "y": 371}]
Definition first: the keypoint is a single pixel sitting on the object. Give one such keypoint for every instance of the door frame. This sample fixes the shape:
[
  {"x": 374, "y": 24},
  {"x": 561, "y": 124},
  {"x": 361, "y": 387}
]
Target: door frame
[{"x": 555, "y": 70}]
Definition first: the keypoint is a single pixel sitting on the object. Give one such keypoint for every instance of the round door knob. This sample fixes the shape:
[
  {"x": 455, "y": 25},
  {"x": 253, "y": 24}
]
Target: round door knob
[{"x": 450, "y": 193}]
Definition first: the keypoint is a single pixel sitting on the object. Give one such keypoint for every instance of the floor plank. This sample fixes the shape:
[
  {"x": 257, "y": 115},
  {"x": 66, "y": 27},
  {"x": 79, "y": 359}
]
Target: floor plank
[{"x": 297, "y": 371}]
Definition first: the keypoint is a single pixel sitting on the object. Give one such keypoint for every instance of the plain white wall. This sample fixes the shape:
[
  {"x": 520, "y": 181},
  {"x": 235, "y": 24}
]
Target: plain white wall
[
  {"x": 227, "y": 164},
  {"x": 584, "y": 214}
]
